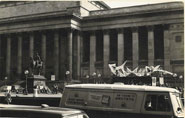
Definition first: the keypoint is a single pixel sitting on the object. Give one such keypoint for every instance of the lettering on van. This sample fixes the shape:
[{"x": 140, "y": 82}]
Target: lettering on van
[
  {"x": 124, "y": 100},
  {"x": 125, "y": 97},
  {"x": 76, "y": 98},
  {"x": 76, "y": 101},
  {"x": 95, "y": 97}
]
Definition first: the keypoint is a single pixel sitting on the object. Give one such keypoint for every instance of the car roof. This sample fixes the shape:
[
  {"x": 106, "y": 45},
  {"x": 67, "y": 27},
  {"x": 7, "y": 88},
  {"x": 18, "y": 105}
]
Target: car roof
[
  {"x": 54, "y": 110},
  {"x": 122, "y": 87}
]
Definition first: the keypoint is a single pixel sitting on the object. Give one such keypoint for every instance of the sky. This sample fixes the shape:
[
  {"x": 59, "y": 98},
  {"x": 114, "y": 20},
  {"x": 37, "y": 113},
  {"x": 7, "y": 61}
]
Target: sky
[{"x": 125, "y": 3}]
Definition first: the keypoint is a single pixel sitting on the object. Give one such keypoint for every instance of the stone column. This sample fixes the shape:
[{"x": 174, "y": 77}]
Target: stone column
[
  {"x": 43, "y": 51},
  {"x": 8, "y": 57},
  {"x": 78, "y": 54},
  {"x": 92, "y": 52},
  {"x": 56, "y": 54},
  {"x": 31, "y": 45},
  {"x": 120, "y": 46},
  {"x": 106, "y": 52},
  {"x": 135, "y": 47},
  {"x": 19, "y": 56},
  {"x": 70, "y": 53},
  {"x": 167, "y": 65},
  {"x": 150, "y": 46}
]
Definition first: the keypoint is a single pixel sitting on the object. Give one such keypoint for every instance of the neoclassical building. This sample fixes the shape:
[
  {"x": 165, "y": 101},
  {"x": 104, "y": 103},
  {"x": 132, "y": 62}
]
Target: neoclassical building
[{"x": 84, "y": 37}]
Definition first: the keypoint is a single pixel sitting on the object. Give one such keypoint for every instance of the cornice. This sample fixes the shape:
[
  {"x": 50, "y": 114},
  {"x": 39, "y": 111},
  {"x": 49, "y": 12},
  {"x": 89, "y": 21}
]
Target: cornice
[
  {"x": 113, "y": 15},
  {"x": 56, "y": 14}
]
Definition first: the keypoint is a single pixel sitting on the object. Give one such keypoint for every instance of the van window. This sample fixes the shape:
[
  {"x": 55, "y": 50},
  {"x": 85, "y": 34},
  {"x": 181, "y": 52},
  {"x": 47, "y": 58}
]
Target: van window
[{"x": 157, "y": 103}]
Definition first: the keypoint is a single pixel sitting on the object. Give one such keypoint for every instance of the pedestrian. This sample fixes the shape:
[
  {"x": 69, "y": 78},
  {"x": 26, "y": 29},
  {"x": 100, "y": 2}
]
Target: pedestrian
[
  {"x": 8, "y": 97},
  {"x": 55, "y": 89}
]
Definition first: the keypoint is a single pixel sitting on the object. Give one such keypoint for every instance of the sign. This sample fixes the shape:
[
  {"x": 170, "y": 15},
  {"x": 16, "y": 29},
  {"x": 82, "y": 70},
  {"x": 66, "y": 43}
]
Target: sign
[
  {"x": 161, "y": 80},
  {"x": 154, "y": 81},
  {"x": 95, "y": 97},
  {"x": 124, "y": 100},
  {"x": 76, "y": 98},
  {"x": 52, "y": 77}
]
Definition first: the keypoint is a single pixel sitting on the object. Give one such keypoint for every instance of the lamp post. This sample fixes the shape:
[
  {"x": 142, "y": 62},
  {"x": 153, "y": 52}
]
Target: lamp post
[
  {"x": 26, "y": 72},
  {"x": 99, "y": 78},
  {"x": 5, "y": 80},
  {"x": 94, "y": 77},
  {"x": 87, "y": 78},
  {"x": 175, "y": 79},
  {"x": 67, "y": 76}
]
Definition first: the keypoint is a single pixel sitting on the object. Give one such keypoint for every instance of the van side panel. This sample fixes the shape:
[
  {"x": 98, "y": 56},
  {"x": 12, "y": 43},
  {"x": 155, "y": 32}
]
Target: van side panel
[
  {"x": 107, "y": 103},
  {"x": 104, "y": 100}
]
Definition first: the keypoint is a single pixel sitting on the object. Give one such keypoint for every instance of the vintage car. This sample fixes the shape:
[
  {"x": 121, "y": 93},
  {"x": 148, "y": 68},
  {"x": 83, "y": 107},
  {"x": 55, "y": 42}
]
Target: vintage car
[
  {"x": 43, "y": 111},
  {"x": 123, "y": 101}
]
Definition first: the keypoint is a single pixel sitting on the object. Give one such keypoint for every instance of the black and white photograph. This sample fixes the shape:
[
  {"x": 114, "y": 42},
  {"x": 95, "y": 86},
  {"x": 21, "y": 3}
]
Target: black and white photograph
[{"x": 92, "y": 59}]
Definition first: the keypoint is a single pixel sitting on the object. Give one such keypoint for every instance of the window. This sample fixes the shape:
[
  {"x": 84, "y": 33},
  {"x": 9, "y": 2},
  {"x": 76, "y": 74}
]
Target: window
[
  {"x": 157, "y": 103},
  {"x": 178, "y": 39}
]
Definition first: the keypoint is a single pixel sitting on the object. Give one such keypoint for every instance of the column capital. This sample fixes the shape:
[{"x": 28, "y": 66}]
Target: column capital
[
  {"x": 134, "y": 29},
  {"x": 55, "y": 30},
  {"x": 8, "y": 35},
  {"x": 150, "y": 28},
  {"x": 43, "y": 32},
  {"x": 70, "y": 29},
  {"x": 79, "y": 32},
  {"x": 120, "y": 30},
  {"x": 106, "y": 31},
  {"x": 19, "y": 33},
  {"x": 93, "y": 32},
  {"x": 31, "y": 33}
]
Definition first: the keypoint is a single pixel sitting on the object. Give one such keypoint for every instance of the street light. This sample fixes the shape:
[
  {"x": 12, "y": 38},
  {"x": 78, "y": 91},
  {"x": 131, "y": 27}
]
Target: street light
[
  {"x": 26, "y": 72},
  {"x": 87, "y": 78},
  {"x": 67, "y": 75},
  {"x": 94, "y": 77},
  {"x": 5, "y": 80},
  {"x": 99, "y": 78}
]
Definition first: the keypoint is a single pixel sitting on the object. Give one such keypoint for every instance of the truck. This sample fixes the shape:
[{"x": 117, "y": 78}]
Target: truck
[{"x": 123, "y": 101}]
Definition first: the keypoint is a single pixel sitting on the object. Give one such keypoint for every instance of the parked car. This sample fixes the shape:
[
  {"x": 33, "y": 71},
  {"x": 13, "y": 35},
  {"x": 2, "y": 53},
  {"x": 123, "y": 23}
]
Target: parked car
[{"x": 43, "y": 111}]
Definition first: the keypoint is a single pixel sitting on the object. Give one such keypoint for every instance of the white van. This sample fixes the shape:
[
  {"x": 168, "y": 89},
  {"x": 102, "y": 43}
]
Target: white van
[{"x": 124, "y": 101}]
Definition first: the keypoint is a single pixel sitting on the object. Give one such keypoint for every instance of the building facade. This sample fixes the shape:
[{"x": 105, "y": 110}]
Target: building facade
[{"x": 84, "y": 37}]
